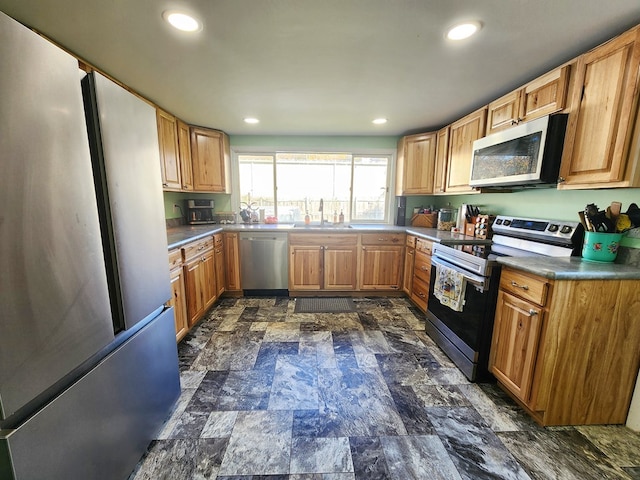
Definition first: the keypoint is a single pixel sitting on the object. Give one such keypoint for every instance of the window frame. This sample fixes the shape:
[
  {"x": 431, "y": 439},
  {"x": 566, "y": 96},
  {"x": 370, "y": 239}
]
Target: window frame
[{"x": 258, "y": 151}]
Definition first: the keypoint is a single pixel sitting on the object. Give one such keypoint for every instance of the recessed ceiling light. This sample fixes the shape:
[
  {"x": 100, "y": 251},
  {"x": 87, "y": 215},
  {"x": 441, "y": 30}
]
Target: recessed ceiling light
[
  {"x": 182, "y": 21},
  {"x": 251, "y": 120},
  {"x": 463, "y": 30},
  {"x": 380, "y": 121}
]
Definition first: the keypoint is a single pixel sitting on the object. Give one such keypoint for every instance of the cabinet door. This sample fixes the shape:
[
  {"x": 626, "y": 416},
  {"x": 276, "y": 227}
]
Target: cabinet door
[
  {"x": 407, "y": 276},
  {"x": 604, "y": 104},
  {"x": 210, "y": 278},
  {"x": 442, "y": 157},
  {"x": 179, "y": 303},
  {"x": 184, "y": 151},
  {"x": 305, "y": 267},
  {"x": 514, "y": 346},
  {"x": 462, "y": 135},
  {"x": 169, "y": 162},
  {"x": 232, "y": 261},
  {"x": 340, "y": 267},
  {"x": 219, "y": 270},
  {"x": 504, "y": 112},
  {"x": 210, "y": 154},
  {"x": 195, "y": 285},
  {"x": 419, "y": 163},
  {"x": 544, "y": 95},
  {"x": 381, "y": 267}
]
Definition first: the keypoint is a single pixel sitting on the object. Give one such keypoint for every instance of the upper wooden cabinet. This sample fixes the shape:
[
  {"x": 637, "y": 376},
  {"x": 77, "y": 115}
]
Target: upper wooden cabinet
[
  {"x": 543, "y": 96},
  {"x": 169, "y": 160},
  {"x": 175, "y": 152},
  {"x": 416, "y": 162},
  {"x": 461, "y": 137},
  {"x": 210, "y": 155},
  {"x": 184, "y": 153},
  {"x": 442, "y": 155},
  {"x": 603, "y": 111}
]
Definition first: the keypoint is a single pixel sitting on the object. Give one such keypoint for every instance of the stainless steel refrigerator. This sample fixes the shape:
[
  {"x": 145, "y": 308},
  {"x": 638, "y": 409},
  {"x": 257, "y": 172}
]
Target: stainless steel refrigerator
[{"x": 88, "y": 359}]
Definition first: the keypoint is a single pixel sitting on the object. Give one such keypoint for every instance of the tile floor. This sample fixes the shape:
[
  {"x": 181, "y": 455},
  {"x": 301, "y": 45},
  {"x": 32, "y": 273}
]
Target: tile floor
[{"x": 272, "y": 394}]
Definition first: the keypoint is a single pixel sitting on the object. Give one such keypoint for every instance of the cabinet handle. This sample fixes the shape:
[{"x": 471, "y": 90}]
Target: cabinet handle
[
  {"x": 423, "y": 268},
  {"x": 381, "y": 239},
  {"x": 421, "y": 295},
  {"x": 201, "y": 247},
  {"x": 530, "y": 313},
  {"x": 524, "y": 287},
  {"x": 561, "y": 179},
  {"x": 165, "y": 184}
]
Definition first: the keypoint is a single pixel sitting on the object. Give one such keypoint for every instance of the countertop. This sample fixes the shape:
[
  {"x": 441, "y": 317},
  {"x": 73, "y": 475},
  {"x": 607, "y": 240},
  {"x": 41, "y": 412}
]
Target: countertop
[
  {"x": 573, "y": 268},
  {"x": 178, "y": 236}
]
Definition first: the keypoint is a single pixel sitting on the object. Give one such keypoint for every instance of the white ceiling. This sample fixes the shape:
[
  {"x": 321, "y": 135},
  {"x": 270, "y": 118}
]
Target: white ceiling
[{"x": 325, "y": 67}]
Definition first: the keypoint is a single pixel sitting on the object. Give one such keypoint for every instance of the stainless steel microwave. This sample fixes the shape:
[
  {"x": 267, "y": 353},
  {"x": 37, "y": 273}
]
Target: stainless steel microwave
[{"x": 528, "y": 154}]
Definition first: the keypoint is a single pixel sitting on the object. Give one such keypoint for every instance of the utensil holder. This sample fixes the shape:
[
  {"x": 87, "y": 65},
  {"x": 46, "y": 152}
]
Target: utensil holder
[{"x": 600, "y": 246}]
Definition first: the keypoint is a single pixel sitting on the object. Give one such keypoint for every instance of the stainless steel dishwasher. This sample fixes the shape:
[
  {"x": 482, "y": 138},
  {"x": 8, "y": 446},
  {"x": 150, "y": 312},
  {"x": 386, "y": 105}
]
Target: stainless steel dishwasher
[{"x": 264, "y": 262}]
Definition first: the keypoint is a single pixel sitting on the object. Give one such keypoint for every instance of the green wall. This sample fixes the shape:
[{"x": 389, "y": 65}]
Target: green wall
[
  {"x": 547, "y": 203},
  {"x": 222, "y": 202}
]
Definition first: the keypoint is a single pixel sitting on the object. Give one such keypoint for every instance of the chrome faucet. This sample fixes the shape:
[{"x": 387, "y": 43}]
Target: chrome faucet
[{"x": 321, "y": 210}]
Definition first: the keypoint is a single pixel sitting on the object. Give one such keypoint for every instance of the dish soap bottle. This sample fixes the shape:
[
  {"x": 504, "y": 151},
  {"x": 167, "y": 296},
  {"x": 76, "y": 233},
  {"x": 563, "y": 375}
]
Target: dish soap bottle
[
  {"x": 335, "y": 217},
  {"x": 307, "y": 219},
  {"x": 341, "y": 217}
]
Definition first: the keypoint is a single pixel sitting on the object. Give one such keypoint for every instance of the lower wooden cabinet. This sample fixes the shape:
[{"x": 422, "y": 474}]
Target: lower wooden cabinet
[
  {"x": 381, "y": 261},
  {"x": 219, "y": 264},
  {"x": 421, "y": 273},
  {"x": 567, "y": 350},
  {"x": 178, "y": 297},
  {"x": 322, "y": 262},
  {"x": 516, "y": 335},
  {"x": 200, "y": 284},
  {"x": 232, "y": 262},
  {"x": 409, "y": 255}
]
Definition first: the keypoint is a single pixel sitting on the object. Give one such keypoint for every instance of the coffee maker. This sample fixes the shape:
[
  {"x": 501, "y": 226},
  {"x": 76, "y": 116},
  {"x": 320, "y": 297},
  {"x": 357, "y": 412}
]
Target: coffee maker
[{"x": 200, "y": 211}]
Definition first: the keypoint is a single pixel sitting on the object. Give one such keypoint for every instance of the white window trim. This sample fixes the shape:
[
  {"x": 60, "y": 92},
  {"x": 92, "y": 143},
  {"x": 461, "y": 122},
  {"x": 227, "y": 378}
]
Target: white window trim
[{"x": 391, "y": 177}]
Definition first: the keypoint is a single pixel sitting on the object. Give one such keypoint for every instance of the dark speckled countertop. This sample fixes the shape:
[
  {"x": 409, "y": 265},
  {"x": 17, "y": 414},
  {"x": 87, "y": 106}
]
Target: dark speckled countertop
[
  {"x": 178, "y": 236},
  {"x": 573, "y": 268}
]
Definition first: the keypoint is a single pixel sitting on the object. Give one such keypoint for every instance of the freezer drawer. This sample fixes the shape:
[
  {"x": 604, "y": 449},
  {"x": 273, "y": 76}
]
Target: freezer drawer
[{"x": 100, "y": 427}]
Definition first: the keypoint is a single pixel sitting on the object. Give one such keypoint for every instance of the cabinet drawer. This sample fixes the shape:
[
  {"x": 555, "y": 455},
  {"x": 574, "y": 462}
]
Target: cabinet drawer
[
  {"x": 525, "y": 286},
  {"x": 420, "y": 293},
  {"x": 425, "y": 246},
  {"x": 383, "y": 238},
  {"x": 193, "y": 249},
  {"x": 411, "y": 241},
  {"x": 335, "y": 239},
  {"x": 175, "y": 259},
  {"x": 218, "y": 240},
  {"x": 422, "y": 266}
]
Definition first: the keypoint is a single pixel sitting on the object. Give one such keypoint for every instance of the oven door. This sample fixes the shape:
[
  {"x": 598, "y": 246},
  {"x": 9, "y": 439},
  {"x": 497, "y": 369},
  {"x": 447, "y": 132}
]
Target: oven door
[{"x": 465, "y": 336}]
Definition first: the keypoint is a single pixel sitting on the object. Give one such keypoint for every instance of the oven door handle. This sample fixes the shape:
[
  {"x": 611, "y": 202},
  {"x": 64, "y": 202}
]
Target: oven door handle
[{"x": 476, "y": 280}]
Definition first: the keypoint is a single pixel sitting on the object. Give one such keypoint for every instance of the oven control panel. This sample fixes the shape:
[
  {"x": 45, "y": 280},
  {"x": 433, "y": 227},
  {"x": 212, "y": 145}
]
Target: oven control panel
[{"x": 535, "y": 227}]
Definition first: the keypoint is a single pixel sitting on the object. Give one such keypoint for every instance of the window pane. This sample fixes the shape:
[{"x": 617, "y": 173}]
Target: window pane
[
  {"x": 303, "y": 179},
  {"x": 256, "y": 182},
  {"x": 370, "y": 187}
]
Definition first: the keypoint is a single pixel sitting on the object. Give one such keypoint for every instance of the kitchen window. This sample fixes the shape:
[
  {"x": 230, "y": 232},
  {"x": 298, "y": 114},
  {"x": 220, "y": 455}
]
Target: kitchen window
[{"x": 289, "y": 185}]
